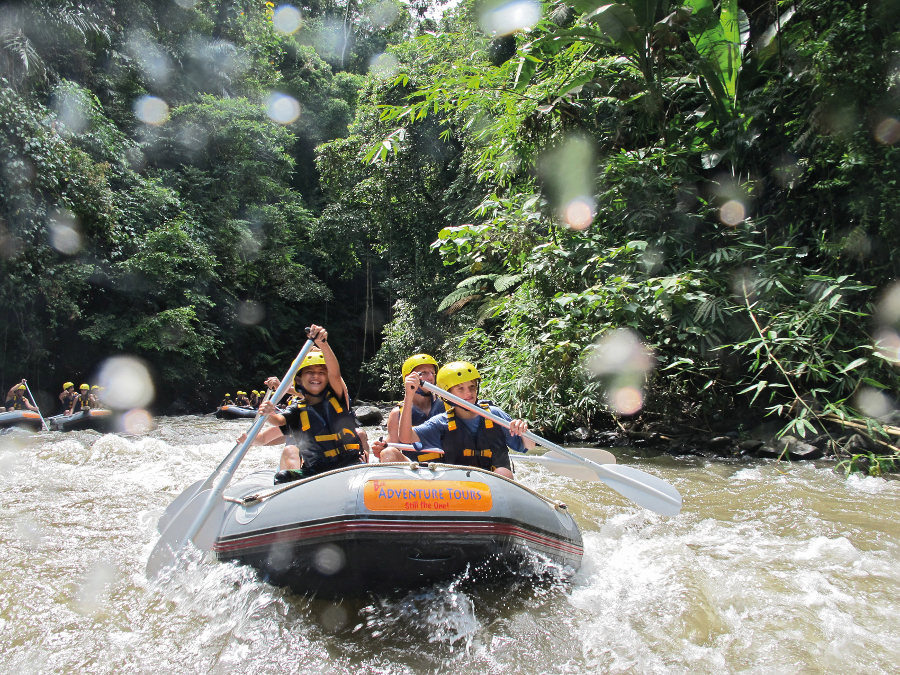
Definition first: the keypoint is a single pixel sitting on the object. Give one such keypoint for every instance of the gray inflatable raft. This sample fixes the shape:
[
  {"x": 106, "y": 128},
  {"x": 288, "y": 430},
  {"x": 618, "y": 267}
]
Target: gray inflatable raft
[{"x": 379, "y": 528}]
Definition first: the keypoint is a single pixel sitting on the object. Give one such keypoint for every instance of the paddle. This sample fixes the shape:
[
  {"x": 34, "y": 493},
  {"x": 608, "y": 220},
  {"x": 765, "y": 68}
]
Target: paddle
[
  {"x": 181, "y": 500},
  {"x": 645, "y": 490},
  {"x": 194, "y": 523},
  {"x": 46, "y": 426}
]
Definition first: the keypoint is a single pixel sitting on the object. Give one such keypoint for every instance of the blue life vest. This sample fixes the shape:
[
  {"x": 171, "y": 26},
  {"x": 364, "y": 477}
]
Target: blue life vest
[
  {"x": 419, "y": 416},
  {"x": 481, "y": 449}
]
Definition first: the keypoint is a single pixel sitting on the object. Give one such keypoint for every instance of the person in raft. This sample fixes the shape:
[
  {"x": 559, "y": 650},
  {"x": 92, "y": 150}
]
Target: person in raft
[
  {"x": 226, "y": 401},
  {"x": 425, "y": 406},
  {"x": 82, "y": 402},
  {"x": 67, "y": 396},
  {"x": 322, "y": 430},
  {"x": 15, "y": 399},
  {"x": 242, "y": 399},
  {"x": 254, "y": 398},
  {"x": 466, "y": 438}
]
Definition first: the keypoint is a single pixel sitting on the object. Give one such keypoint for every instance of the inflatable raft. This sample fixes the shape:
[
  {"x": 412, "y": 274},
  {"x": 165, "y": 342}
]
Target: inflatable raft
[
  {"x": 234, "y": 412},
  {"x": 98, "y": 420},
  {"x": 26, "y": 419},
  {"x": 380, "y": 528}
]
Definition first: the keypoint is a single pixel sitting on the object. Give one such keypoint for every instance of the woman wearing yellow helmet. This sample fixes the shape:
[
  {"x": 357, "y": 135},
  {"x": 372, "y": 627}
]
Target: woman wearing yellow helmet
[
  {"x": 16, "y": 400},
  {"x": 321, "y": 429},
  {"x": 82, "y": 402},
  {"x": 67, "y": 396},
  {"x": 425, "y": 406},
  {"x": 465, "y": 437}
]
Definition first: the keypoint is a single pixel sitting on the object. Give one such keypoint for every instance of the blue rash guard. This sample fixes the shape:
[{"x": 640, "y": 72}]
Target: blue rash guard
[{"x": 431, "y": 432}]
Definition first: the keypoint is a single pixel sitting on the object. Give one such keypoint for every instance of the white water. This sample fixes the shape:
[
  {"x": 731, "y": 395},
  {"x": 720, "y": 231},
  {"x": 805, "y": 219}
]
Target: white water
[{"x": 769, "y": 569}]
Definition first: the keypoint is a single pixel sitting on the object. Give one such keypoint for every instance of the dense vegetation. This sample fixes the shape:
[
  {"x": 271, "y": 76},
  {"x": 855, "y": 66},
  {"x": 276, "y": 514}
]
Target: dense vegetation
[{"x": 685, "y": 207}]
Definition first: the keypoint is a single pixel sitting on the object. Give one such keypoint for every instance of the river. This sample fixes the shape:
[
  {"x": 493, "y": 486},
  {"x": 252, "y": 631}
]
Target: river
[{"x": 769, "y": 568}]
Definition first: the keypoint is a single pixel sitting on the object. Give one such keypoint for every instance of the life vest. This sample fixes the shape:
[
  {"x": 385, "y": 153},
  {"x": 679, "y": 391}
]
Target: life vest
[
  {"x": 82, "y": 403},
  {"x": 17, "y": 403},
  {"x": 328, "y": 440},
  {"x": 67, "y": 400},
  {"x": 462, "y": 447},
  {"x": 419, "y": 416}
]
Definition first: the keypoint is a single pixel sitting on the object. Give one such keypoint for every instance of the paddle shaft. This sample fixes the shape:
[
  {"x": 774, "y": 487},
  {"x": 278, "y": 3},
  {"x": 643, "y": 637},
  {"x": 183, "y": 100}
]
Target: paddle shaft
[
  {"x": 34, "y": 400},
  {"x": 600, "y": 469},
  {"x": 217, "y": 491}
]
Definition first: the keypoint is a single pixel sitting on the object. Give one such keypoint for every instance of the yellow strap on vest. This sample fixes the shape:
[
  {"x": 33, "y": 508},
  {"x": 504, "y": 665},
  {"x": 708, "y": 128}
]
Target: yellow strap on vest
[
  {"x": 487, "y": 423},
  {"x": 427, "y": 457},
  {"x": 327, "y": 437},
  {"x": 334, "y": 404},
  {"x": 304, "y": 420},
  {"x": 331, "y": 453},
  {"x": 451, "y": 420},
  {"x": 472, "y": 453}
]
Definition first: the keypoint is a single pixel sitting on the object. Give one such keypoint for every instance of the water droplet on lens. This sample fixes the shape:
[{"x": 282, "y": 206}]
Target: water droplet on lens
[
  {"x": 250, "y": 313},
  {"x": 283, "y": 109},
  {"x": 287, "y": 19},
  {"x": 151, "y": 110},
  {"x": 503, "y": 18},
  {"x": 732, "y": 212},
  {"x": 384, "y": 66},
  {"x": 329, "y": 560},
  {"x": 888, "y": 131},
  {"x": 126, "y": 383},
  {"x": 65, "y": 232}
]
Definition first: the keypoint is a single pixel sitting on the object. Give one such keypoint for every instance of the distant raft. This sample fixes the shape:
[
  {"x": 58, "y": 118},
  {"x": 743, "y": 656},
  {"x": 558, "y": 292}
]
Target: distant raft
[
  {"x": 98, "y": 420},
  {"x": 25, "y": 419},
  {"x": 378, "y": 528},
  {"x": 235, "y": 412}
]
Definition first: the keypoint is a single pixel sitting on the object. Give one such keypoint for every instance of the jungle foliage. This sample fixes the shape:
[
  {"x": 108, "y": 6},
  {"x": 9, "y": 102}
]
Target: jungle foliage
[{"x": 721, "y": 179}]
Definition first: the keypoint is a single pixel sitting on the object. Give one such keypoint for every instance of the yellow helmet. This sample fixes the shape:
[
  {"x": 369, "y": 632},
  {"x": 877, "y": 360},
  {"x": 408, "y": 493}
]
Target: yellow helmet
[
  {"x": 21, "y": 387},
  {"x": 96, "y": 386},
  {"x": 240, "y": 393},
  {"x": 68, "y": 384},
  {"x": 456, "y": 373},
  {"x": 84, "y": 386},
  {"x": 312, "y": 359},
  {"x": 416, "y": 361}
]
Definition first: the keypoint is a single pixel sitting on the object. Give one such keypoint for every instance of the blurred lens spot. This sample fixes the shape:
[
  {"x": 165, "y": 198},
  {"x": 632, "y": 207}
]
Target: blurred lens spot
[
  {"x": 329, "y": 560},
  {"x": 287, "y": 19},
  {"x": 137, "y": 421},
  {"x": 888, "y": 309},
  {"x": 186, "y": 4},
  {"x": 732, "y": 213},
  {"x": 620, "y": 352},
  {"x": 250, "y": 313},
  {"x": 283, "y": 109},
  {"x": 626, "y": 400},
  {"x": 333, "y": 618},
  {"x": 579, "y": 213},
  {"x": 744, "y": 285},
  {"x": 149, "y": 56},
  {"x": 888, "y": 131},
  {"x": 65, "y": 232},
  {"x": 502, "y": 18},
  {"x": 151, "y": 110},
  {"x": 72, "y": 109},
  {"x": 193, "y": 136},
  {"x": 873, "y": 403},
  {"x": 384, "y": 66},
  {"x": 126, "y": 383},
  {"x": 787, "y": 171},
  {"x": 92, "y": 597},
  {"x": 887, "y": 344},
  {"x": 384, "y": 14}
]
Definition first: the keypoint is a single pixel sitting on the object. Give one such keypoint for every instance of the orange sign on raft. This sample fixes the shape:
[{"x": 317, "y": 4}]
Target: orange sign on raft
[{"x": 426, "y": 495}]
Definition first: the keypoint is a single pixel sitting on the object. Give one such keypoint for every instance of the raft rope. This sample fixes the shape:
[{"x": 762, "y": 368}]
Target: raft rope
[{"x": 258, "y": 498}]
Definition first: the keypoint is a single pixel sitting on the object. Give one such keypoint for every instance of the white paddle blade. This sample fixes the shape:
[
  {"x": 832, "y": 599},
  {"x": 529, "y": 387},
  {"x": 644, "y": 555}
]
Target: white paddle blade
[
  {"x": 174, "y": 538},
  {"x": 593, "y": 454},
  {"x": 642, "y": 488},
  {"x": 173, "y": 509},
  {"x": 563, "y": 467}
]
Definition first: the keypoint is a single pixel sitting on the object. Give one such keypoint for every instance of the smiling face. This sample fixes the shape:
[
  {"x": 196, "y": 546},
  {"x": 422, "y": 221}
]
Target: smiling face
[
  {"x": 314, "y": 379},
  {"x": 467, "y": 391},
  {"x": 427, "y": 372}
]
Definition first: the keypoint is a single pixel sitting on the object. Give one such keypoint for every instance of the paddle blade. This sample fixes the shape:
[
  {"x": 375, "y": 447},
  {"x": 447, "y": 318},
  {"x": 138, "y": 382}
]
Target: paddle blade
[
  {"x": 173, "y": 509},
  {"x": 174, "y": 538},
  {"x": 563, "y": 467},
  {"x": 640, "y": 487},
  {"x": 593, "y": 454}
]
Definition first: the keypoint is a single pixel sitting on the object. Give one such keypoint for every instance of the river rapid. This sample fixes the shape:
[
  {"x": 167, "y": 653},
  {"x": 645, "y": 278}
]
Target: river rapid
[{"x": 769, "y": 568}]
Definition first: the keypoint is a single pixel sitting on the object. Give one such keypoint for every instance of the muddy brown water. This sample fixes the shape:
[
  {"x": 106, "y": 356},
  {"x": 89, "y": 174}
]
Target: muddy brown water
[{"x": 768, "y": 569}]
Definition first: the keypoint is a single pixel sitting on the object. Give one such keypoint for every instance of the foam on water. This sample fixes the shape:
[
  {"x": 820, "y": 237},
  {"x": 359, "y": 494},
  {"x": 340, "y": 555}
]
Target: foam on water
[{"x": 769, "y": 568}]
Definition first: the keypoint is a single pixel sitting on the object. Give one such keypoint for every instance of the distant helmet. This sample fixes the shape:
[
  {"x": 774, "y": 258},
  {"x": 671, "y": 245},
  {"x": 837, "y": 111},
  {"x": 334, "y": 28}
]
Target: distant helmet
[
  {"x": 240, "y": 393},
  {"x": 96, "y": 386},
  {"x": 68, "y": 384},
  {"x": 227, "y": 395},
  {"x": 21, "y": 387},
  {"x": 456, "y": 373},
  {"x": 312, "y": 359},
  {"x": 84, "y": 386},
  {"x": 416, "y": 361}
]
